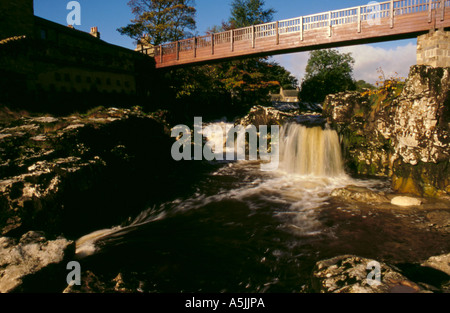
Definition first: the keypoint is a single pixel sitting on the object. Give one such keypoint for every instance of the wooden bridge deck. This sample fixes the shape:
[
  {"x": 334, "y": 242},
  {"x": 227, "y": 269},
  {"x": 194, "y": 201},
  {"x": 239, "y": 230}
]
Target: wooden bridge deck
[{"x": 385, "y": 21}]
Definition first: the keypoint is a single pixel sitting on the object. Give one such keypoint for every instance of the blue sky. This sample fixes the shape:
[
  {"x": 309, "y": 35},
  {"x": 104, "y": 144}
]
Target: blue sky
[{"x": 108, "y": 15}]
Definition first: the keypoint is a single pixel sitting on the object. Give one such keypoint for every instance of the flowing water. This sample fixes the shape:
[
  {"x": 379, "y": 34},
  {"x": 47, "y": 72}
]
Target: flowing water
[{"x": 242, "y": 230}]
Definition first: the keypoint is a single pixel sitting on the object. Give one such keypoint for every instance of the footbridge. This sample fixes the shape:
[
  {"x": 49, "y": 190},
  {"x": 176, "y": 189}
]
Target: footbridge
[{"x": 383, "y": 21}]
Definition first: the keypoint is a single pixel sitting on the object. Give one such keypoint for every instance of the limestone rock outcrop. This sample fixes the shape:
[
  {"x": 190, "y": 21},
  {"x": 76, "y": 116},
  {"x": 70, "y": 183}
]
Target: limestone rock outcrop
[{"x": 404, "y": 136}]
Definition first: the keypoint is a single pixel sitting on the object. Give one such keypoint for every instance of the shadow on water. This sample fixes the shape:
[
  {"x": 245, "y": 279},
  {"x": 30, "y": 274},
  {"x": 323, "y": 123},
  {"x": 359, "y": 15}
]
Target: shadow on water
[
  {"x": 219, "y": 246},
  {"x": 193, "y": 252}
]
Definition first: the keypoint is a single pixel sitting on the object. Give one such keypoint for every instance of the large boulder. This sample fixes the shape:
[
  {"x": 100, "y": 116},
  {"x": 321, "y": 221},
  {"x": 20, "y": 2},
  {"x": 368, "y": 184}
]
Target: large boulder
[
  {"x": 439, "y": 262},
  {"x": 420, "y": 131},
  {"x": 365, "y": 149},
  {"x": 403, "y": 135},
  {"x": 343, "y": 107},
  {"x": 406, "y": 201},
  {"x": 420, "y": 126},
  {"x": 351, "y": 274},
  {"x": 359, "y": 194},
  {"x": 260, "y": 115}
]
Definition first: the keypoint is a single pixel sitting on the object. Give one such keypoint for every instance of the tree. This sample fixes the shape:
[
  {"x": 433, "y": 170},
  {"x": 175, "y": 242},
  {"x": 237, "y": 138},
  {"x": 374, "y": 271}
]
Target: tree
[
  {"x": 249, "y": 81},
  {"x": 362, "y": 85},
  {"x": 327, "y": 72},
  {"x": 249, "y": 12},
  {"x": 160, "y": 21},
  {"x": 282, "y": 76},
  {"x": 232, "y": 86}
]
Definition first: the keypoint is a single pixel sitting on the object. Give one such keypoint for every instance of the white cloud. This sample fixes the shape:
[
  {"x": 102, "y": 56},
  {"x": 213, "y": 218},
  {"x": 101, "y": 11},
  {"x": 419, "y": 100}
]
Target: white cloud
[
  {"x": 394, "y": 60},
  {"x": 368, "y": 58},
  {"x": 294, "y": 63}
]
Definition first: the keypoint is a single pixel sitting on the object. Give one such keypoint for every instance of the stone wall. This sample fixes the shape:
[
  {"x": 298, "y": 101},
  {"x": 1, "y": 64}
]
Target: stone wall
[{"x": 434, "y": 49}]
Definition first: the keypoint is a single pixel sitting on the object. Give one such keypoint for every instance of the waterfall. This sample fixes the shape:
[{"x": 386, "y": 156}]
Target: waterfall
[{"x": 314, "y": 151}]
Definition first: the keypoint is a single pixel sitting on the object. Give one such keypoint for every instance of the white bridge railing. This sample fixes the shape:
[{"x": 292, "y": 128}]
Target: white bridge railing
[{"x": 371, "y": 13}]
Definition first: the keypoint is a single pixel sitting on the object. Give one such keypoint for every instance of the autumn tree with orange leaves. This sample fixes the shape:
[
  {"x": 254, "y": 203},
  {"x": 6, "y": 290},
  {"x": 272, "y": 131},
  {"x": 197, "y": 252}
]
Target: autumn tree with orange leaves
[{"x": 250, "y": 81}]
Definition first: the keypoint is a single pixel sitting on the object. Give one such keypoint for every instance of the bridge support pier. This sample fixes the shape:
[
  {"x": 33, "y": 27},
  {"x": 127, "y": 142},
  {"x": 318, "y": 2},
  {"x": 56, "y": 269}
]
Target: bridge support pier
[{"x": 434, "y": 49}]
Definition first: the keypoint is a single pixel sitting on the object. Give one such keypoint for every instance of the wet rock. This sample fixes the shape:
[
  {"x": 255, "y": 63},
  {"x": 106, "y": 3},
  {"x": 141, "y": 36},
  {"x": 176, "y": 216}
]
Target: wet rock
[
  {"x": 342, "y": 107},
  {"x": 311, "y": 120},
  {"x": 406, "y": 201},
  {"x": 349, "y": 274},
  {"x": 260, "y": 115},
  {"x": 92, "y": 283},
  {"x": 33, "y": 263},
  {"x": 359, "y": 194}
]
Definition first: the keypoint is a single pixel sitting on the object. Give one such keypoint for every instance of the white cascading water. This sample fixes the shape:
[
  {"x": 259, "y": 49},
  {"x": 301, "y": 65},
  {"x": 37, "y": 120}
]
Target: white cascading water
[{"x": 310, "y": 151}]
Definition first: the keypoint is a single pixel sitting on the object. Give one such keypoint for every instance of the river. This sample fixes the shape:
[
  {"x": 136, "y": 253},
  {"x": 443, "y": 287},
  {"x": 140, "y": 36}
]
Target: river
[{"x": 247, "y": 230}]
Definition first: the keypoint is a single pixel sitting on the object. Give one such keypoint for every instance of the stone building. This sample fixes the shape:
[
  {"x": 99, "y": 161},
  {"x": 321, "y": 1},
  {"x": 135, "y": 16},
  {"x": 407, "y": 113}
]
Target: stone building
[
  {"x": 45, "y": 63},
  {"x": 290, "y": 96}
]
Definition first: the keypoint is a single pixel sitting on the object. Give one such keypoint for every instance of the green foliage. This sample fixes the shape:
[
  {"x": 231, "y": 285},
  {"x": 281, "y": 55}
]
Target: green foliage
[
  {"x": 282, "y": 76},
  {"x": 233, "y": 86},
  {"x": 388, "y": 88},
  {"x": 226, "y": 88},
  {"x": 249, "y": 12},
  {"x": 327, "y": 72},
  {"x": 362, "y": 85},
  {"x": 250, "y": 81},
  {"x": 160, "y": 21},
  {"x": 230, "y": 87}
]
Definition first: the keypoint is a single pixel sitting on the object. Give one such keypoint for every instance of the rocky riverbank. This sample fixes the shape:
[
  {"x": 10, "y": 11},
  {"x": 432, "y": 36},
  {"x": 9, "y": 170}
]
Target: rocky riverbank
[
  {"x": 63, "y": 177},
  {"x": 401, "y": 134},
  {"x": 73, "y": 174}
]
